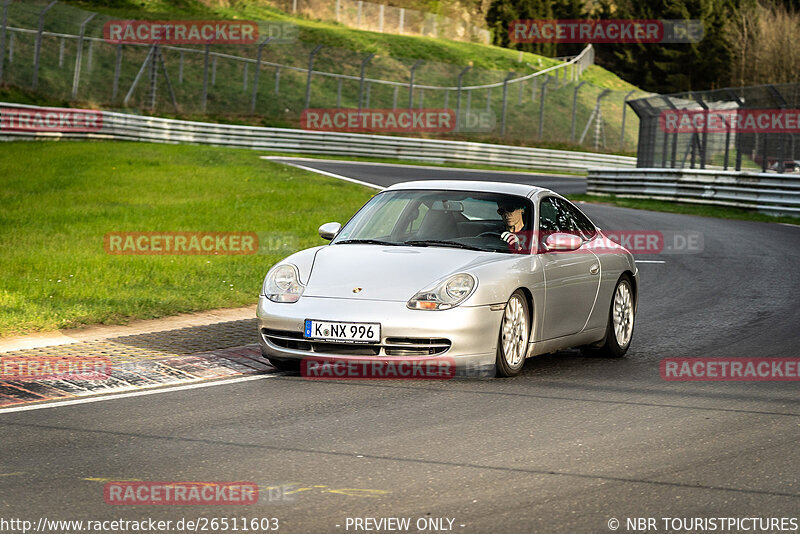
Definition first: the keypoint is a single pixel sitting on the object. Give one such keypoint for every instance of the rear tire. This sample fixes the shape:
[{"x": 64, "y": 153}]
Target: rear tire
[
  {"x": 512, "y": 342},
  {"x": 621, "y": 315}
]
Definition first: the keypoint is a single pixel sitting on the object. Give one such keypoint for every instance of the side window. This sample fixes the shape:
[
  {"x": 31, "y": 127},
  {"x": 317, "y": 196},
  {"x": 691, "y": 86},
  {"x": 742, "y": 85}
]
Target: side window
[
  {"x": 548, "y": 216},
  {"x": 555, "y": 215},
  {"x": 576, "y": 219}
]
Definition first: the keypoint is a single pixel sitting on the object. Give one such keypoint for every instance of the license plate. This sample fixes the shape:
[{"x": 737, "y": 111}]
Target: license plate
[{"x": 339, "y": 331}]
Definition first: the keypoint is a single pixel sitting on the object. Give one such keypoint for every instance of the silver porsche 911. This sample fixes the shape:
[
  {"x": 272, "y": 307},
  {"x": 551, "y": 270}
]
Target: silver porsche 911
[{"x": 486, "y": 274}]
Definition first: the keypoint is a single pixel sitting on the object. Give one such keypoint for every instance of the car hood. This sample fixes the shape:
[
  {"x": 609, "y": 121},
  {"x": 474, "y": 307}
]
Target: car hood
[{"x": 386, "y": 272}]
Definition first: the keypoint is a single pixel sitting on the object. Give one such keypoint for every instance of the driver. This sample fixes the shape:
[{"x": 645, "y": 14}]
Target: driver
[{"x": 513, "y": 217}]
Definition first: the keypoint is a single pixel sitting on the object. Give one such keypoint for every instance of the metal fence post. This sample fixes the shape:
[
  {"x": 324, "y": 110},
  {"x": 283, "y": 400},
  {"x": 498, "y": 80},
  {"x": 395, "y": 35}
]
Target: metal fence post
[
  {"x": 117, "y": 70},
  {"x": 153, "y": 78},
  {"x": 360, "y": 7},
  {"x": 703, "y": 145},
  {"x": 3, "y": 38},
  {"x": 337, "y": 9},
  {"x": 310, "y": 71},
  {"x": 740, "y": 103},
  {"x": 214, "y": 70},
  {"x": 76, "y": 78},
  {"x": 339, "y": 94},
  {"x": 369, "y": 92},
  {"x": 505, "y": 102},
  {"x": 38, "y": 47},
  {"x": 258, "y": 71},
  {"x": 361, "y": 78},
  {"x": 624, "y": 109},
  {"x": 727, "y": 141},
  {"x": 541, "y": 106},
  {"x": 394, "y": 97},
  {"x": 779, "y": 157},
  {"x": 150, "y": 57},
  {"x": 458, "y": 93},
  {"x": 380, "y": 18},
  {"x": 61, "y": 52},
  {"x": 574, "y": 110},
  {"x": 204, "y": 99},
  {"x": 411, "y": 84},
  {"x": 596, "y": 115},
  {"x": 90, "y": 56},
  {"x": 402, "y": 20},
  {"x": 277, "y": 80}
]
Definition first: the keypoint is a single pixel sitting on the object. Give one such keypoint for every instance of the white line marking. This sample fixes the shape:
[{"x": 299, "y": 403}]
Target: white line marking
[
  {"x": 332, "y": 175},
  {"x": 151, "y": 391},
  {"x": 790, "y": 224},
  {"x": 434, "y": 167},
  {"x": 649, "y": 261}
]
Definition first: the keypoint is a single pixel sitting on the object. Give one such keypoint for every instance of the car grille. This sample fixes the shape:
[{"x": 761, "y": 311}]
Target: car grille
[{"x": 393, "y": 346}]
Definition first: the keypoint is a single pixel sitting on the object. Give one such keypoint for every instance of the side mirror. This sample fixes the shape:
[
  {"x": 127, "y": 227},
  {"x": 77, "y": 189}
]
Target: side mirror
[
  {"x": 562, "y": 242},
  {"x": 329, "y": 230}
]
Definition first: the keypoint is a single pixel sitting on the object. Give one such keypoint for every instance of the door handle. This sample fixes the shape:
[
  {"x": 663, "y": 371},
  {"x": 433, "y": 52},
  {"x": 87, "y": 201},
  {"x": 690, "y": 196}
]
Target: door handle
[{"x": 594, "y": 269}]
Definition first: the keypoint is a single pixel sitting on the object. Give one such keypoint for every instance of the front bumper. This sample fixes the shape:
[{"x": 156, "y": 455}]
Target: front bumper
[{"x": 470, "y": 331}]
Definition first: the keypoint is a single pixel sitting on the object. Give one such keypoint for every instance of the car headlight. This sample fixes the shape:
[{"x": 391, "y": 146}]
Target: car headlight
[
  {"x": 282, "y": 284},
  {"x": 444, "y": 294}
]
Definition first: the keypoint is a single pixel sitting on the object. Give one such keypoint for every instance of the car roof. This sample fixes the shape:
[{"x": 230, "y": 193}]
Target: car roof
[{"x": 525, "y": 190}]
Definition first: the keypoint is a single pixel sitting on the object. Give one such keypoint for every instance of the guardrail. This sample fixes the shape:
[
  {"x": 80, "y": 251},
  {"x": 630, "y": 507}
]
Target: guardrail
[
  {"x": 776, "y": 194},
  {"x": 127, "y": 127}
]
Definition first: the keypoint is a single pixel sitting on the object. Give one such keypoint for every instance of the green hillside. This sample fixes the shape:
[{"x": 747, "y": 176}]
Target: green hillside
[{"x": 281, "y": 95}]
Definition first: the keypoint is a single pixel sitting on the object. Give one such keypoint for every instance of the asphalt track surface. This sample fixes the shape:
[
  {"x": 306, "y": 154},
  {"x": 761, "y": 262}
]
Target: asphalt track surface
[{"x": 570, "y": 444}]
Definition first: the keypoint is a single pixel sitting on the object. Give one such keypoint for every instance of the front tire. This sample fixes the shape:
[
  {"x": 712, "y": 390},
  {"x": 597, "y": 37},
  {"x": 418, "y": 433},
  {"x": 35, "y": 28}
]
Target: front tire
[
  {"x": 282, "y": 364},
  {"x": 619, "y": 330},
  {"x": 512, "y": 343}
]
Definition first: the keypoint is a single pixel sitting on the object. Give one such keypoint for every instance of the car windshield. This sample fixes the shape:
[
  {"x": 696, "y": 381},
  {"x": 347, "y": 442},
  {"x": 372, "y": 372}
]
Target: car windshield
[{"x": 458, "y": 219}]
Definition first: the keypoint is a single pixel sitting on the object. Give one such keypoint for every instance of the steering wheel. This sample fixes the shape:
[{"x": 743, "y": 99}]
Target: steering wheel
[{"x": 487, "y": 234}]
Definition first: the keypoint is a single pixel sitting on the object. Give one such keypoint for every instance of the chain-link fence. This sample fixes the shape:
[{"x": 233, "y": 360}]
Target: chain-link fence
[
  {"x": 60, "y": 52},
  {"x": 388, "y": 19},
  {"x": 755, "y": 127}
]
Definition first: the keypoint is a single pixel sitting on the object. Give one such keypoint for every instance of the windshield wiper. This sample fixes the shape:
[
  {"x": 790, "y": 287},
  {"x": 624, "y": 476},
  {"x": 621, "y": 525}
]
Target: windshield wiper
[
  {"x": 439, "y": 243},
  {"x": 367, "y": 242}
]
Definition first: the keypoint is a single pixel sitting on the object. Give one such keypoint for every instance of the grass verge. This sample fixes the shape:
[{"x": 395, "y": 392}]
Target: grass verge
[
  {"x": 423, "y": 163},
  {"x": 60, "y": 199}
]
